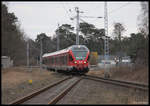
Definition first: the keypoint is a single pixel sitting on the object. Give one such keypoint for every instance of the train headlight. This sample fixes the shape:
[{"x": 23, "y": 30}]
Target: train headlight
[
  {"x": 84, "y": 61},
  {"x": 75, "y": 62}
]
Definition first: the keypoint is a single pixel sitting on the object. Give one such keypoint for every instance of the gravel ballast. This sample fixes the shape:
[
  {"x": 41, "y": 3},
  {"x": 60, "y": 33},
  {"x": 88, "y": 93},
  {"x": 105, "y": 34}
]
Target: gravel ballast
[
  {"x": 92, "y": 92},
  {"x": 12, "y": 91}
]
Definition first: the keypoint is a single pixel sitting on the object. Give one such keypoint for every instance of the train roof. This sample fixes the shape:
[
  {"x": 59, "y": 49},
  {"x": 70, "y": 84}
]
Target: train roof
[{"x": 73, "y": 47}]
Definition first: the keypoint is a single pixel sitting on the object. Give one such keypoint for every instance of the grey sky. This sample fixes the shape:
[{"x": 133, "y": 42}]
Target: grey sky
[{"x": 43, "y": 17}]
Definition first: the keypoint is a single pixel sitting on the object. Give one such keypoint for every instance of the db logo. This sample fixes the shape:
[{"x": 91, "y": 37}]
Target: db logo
[{"x": 80, "y": 61}]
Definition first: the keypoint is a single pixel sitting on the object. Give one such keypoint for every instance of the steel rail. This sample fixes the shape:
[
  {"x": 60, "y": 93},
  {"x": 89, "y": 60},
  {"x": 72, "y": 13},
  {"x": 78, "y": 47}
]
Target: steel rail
[
  {"x": 63, "y": 93},
  {"x": 31, "y": 95},
  {"x": 118, "y": 82}
]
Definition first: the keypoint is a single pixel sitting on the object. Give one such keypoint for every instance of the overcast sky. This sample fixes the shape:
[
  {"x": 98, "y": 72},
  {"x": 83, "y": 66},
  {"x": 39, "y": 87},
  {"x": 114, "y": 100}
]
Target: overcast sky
[{"x": 43, "y": 17}]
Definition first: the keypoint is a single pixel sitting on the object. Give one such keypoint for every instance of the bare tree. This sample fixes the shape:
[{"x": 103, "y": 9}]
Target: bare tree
[
  {"x": 143, "y": 19},
  {"x": 118, "y": 30}
]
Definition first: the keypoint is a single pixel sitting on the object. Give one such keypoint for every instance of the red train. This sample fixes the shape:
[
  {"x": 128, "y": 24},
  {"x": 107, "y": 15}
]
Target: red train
[{"x": 74, "y": 59}]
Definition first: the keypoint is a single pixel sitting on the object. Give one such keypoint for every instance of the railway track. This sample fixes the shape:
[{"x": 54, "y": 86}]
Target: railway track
[
  {"x": 50, "y": 94},
  {"x": 143, "y": 87}
]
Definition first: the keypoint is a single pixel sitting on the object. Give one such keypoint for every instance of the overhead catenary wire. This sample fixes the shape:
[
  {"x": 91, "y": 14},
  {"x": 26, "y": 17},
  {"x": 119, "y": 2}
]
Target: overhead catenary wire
[
  {"x": 65, "y": 10},
  {"x": 124, "y": 5},
  {"x": 88, "y": 22},
  {"x": 91, "y": 21},
  {"x": 117, "y": 9},
  {"x": 96, "y": 7},
  {"x": 68, "y": 6},
  {"x": 83, "y": 20}
]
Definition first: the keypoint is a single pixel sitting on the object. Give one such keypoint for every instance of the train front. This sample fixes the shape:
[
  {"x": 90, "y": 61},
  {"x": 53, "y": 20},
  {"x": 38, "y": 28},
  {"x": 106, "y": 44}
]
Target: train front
[{"x": 80, "y": 63}]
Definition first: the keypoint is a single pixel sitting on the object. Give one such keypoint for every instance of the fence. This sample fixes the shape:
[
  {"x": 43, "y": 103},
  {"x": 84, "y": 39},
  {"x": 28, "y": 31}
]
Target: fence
[{"x": 6, "y": 62}]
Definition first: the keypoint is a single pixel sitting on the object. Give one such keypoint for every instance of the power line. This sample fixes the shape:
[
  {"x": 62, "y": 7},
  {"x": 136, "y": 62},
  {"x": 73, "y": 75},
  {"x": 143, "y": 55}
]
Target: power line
[
  {"x": 83, "y": 20},
  {"x": 88, "y": 22},
  {"x": 68, "y": 5},
  {"x": 95, "y": 7},
  {"x": 90, "y": 17},
  {"x": 68, "y": 14},
  {"x": 66, "y": 10},
  {"x": 118, "y": 8},
  {"x": 91, "y": 21}
]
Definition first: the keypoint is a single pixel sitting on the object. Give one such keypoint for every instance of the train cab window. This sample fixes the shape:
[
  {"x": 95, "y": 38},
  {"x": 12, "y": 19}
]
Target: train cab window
[
  {"x": 80, "y": 55},
  {"x": 88, "y": 58},
  {"x": 70, "y": 58}
]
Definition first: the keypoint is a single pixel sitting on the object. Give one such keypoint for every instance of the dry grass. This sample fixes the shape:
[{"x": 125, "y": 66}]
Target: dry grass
[
  {"x": 97, "y": 72},
  {"x": 126, "y": 73},
  {"x": 137, "y": 74},
  {"x": 17, "y": 75}
]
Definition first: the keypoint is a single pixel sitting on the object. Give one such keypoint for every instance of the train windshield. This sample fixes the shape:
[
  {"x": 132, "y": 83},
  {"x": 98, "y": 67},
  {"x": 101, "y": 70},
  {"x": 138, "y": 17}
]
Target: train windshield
[{"x": 80, "y": 55}]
